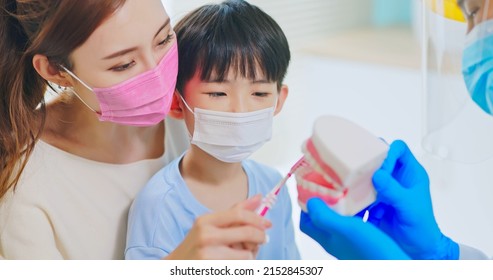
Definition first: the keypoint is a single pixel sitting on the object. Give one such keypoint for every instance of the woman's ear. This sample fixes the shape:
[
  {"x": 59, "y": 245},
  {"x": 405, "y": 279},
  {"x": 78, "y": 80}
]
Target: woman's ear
[
  {"x": 283, "y": 94},
  {"x": 176, "y": 110},
  {"x": 50, "y": 72}
]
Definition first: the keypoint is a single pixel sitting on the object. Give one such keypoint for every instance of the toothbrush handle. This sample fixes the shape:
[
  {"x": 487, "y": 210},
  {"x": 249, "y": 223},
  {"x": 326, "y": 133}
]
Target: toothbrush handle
[
  {"x": 263, "y": 210},
  {"x": 264, "y": 207}
]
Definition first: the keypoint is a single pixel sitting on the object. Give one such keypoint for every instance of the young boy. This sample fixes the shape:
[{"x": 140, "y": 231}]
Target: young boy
[{"x": 232, "y": 60}]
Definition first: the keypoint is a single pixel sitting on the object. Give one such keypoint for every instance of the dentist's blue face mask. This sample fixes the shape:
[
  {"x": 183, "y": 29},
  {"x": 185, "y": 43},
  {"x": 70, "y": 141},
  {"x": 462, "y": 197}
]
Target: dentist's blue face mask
[{"x": 477, "y": 65}]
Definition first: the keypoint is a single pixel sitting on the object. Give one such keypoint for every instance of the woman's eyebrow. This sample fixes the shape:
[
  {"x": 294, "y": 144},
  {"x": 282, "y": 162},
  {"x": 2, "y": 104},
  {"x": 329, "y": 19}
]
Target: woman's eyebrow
[
  {"x": 125, "y": 51},
  {"x": 120, "y": 53}
]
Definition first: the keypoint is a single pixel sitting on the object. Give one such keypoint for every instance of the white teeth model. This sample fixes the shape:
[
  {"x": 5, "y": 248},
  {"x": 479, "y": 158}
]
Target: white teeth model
[
  {"x": 351, "y": 155},
  {"x": 316, "y": 167},
  {"x": 323, "y": 191},
  {"x": 313, "y": 187}
]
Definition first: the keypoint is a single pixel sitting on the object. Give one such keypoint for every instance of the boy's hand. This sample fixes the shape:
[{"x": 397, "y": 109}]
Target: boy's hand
[
  {"x": 250, "y": 204},
  {"x": 235, "y": 233}
]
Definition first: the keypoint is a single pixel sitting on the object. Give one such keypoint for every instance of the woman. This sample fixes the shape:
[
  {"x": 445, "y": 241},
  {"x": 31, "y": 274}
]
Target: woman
[{"x": 70, "y": 169}]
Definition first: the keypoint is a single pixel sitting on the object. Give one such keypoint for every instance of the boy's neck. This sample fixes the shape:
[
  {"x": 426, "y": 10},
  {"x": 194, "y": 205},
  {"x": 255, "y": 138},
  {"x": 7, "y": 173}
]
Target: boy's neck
[{"x": 216, "y": 184}]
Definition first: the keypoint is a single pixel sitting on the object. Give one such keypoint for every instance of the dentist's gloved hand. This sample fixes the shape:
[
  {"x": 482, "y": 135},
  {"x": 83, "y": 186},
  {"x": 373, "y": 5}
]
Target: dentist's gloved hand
[
  {"x": 347, "y": 238},
  {"x": 404, "y": 210}
]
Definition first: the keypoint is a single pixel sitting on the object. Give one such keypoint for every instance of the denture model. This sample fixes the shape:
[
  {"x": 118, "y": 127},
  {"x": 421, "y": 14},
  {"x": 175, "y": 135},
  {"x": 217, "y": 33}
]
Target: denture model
[{"x": 342, "y": 158}]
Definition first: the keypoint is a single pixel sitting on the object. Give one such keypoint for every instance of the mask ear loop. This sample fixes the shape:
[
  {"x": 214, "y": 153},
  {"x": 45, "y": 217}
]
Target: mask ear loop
[
  {"x": 190, "y": 136},
  {"x": 275, "y": 104},
  {"x": 75, "y": 93},
  {"x": 186, "y": 104}
]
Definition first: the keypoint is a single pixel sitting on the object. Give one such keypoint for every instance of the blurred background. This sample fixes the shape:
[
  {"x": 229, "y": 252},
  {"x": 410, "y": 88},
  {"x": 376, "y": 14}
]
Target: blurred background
[{"x": 361, "y": 59}]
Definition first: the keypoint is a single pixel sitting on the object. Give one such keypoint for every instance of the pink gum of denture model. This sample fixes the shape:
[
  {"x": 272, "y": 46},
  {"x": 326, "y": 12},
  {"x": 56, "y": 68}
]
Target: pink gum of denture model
[{"x": 342, "y": 158}]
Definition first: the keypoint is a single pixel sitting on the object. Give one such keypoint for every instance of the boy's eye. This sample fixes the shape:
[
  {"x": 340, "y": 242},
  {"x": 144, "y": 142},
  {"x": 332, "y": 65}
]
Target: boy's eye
[
  {"x": 123, "y": 67},
  {"x": 216, "y": 94},
  {"x": 261, "y": 94}
]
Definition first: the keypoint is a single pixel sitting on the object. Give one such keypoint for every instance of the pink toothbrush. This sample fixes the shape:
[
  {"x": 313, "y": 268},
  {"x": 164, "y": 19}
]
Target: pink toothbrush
[{"x": 270, "y": 199}]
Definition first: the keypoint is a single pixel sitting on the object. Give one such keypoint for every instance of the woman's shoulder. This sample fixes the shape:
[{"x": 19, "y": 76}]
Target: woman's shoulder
[
  {"x": 28, "y": 190},
  {"x": 37, "y": 171}
]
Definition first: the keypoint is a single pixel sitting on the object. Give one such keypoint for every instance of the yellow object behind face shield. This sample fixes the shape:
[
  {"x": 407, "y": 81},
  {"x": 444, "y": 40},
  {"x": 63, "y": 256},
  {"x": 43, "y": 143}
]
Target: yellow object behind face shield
[{"x": 446, "y": 8}]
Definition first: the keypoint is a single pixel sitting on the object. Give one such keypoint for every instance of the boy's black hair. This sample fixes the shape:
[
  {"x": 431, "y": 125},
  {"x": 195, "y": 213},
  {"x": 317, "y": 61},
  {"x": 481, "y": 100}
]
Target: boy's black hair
[{"x": 232, "y": 35}]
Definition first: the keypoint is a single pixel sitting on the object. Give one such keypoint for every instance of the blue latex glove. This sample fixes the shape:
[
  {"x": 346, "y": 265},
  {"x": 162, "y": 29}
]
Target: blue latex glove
[
  {"x": 404, "y": 210},
  {"x": 347, "y": 238}
]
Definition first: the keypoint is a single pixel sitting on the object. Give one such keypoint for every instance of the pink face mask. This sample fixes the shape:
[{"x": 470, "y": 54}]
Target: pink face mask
[{"x": 143, "y": 100}]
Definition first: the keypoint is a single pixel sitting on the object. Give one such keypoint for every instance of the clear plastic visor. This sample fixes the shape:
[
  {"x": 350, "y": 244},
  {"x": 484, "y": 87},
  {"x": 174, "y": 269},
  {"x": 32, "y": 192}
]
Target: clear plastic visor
[{"x": 458, "y": 79}]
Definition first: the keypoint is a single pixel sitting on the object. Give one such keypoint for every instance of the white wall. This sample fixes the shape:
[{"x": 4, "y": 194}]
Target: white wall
[{"x": 300, "y": 20}]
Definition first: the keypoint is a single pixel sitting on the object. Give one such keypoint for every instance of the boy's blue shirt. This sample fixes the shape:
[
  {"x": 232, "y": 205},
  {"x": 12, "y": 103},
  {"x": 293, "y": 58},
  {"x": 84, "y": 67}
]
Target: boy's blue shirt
[{"x": 165, "y": 210}]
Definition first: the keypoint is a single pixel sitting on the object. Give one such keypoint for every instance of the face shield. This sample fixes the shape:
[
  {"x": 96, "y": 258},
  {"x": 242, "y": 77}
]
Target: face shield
[{"x": 457, "y": 62}]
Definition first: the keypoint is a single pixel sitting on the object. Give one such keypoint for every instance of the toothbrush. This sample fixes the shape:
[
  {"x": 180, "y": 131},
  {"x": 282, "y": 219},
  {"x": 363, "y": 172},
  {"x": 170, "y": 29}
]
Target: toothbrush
[{"x": 270, "y": 199}]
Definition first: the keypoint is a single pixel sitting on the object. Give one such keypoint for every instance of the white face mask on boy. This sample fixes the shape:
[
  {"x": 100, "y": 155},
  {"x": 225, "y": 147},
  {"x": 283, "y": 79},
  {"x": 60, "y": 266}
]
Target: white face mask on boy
[{"x": 231, "y": 137}]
